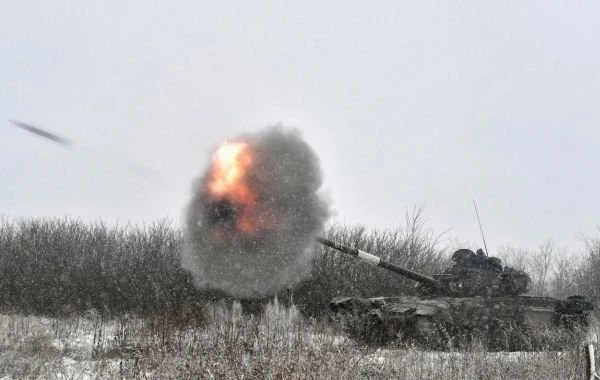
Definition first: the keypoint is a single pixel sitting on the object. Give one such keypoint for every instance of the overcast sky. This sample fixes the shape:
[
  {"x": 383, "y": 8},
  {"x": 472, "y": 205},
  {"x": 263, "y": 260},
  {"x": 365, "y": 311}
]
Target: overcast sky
[{"x": 406, "y": 103}]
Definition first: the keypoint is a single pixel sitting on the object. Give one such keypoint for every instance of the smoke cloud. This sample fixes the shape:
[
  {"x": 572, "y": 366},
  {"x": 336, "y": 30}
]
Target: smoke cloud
[{"x": 286, "y": 214}]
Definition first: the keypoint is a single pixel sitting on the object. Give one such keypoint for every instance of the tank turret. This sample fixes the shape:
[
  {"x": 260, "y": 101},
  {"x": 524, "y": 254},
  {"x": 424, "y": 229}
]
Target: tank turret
[
  {"x": 476, "y": 274},
  {"x": 473, "y": 274}
]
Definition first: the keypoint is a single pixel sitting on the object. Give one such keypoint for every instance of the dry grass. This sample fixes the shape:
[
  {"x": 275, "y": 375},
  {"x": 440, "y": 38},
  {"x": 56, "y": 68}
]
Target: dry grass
[{"x": 224, "y": 343}]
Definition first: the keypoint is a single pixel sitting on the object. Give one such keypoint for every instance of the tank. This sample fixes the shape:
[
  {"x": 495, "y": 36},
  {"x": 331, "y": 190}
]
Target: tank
[{"x": 475, "y": 298}]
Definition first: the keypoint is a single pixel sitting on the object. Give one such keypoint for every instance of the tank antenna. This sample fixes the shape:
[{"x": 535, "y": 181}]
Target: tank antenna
[{"x": 480, "y": 228}]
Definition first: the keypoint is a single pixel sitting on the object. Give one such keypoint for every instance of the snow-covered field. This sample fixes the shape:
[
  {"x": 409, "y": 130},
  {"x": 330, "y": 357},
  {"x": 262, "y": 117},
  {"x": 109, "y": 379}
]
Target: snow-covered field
[
  {"x": 227, "y": 344},
  {"x": 40, "y": 347}
]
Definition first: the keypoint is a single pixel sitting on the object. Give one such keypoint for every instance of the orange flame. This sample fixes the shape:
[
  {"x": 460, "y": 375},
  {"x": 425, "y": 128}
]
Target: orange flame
[{"x": 231, "y": 163}]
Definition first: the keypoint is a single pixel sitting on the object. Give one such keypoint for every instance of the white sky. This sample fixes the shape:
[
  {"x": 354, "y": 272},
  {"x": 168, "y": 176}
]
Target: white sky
[{"x": 406, "y": 103}]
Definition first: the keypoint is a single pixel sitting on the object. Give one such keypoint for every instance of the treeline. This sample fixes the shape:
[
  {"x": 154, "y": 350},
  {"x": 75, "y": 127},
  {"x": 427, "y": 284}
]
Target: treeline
[
  {"x": 62, "y": 266},
  {"x": 55, "y": 266},
  {"x": 557, "y": 271}
]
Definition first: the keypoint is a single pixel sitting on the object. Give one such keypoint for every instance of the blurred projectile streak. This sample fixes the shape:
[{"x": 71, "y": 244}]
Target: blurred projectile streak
[
  {"x": 42, "y": 133},
  {"x": 149, "y": 175}
]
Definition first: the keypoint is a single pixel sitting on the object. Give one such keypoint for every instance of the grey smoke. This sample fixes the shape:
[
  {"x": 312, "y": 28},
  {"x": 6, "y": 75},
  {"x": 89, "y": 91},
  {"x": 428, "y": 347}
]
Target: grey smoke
[{"x": 286, "y": 177}]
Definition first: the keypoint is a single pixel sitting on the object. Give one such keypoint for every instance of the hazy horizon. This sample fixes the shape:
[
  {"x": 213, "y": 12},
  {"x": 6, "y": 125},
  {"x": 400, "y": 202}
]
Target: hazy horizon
[{"x": 406, "y": 104}]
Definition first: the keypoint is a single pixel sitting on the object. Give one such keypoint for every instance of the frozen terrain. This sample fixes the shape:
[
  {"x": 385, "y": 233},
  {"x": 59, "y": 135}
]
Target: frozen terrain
[{"x": 223, "y": 343}]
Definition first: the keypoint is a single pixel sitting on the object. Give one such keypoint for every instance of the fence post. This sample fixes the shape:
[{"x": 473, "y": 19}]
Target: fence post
[{"x": 590, "y": 363}]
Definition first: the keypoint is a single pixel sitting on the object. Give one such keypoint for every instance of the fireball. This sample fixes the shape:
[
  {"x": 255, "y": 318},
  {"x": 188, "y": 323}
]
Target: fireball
[
  {"x": 234, "y": 202},
  {"x": 231, "y": 163},
  {"x": 254, "y": 215}
]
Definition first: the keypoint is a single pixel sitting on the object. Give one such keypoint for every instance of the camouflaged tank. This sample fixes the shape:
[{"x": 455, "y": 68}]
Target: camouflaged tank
[{"x": 476, "y": 296}]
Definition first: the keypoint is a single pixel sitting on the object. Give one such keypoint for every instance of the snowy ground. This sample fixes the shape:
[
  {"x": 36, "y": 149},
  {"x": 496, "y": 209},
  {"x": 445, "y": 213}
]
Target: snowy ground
[
  {"x": 228, "y": 345},
  {"x": 54, "y": 348}
]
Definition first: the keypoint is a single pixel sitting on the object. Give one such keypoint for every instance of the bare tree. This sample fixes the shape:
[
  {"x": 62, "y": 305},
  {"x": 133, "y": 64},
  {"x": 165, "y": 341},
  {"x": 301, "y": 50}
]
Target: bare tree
[
  {"x": 565, "y": 277},
  {"x": 541, "y": 264},
  {"x": 517, "y": 258},
  {"x": 590, "y": 280}
]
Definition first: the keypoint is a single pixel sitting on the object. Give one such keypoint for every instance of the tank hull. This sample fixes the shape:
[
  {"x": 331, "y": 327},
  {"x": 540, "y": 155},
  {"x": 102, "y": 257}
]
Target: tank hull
[{"x": 502, "y": 323}]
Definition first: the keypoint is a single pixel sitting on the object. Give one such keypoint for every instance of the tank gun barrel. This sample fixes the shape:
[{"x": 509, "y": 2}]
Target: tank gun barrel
[{"x": 378, "y": 262}]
